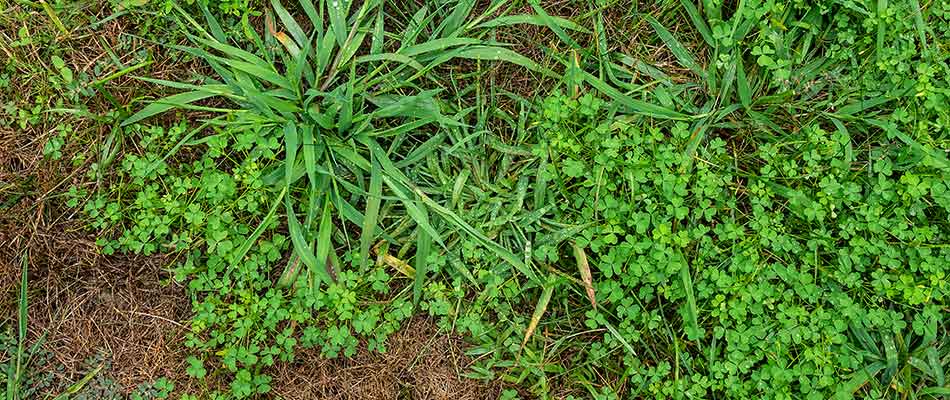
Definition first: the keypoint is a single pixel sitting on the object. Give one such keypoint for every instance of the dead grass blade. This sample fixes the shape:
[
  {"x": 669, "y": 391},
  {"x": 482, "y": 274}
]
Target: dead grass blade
[
  {"x": 584, "y": 267},
  {"x": 539, "y": 310}
]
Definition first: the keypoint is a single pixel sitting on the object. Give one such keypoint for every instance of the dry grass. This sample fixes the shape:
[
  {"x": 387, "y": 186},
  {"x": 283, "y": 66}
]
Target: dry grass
[{"x": 420, "y": 363}]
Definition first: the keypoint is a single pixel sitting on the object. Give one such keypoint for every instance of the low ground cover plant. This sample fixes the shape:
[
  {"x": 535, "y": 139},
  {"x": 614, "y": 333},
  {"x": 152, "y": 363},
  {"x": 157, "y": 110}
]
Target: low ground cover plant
[{"x": 719, "y": 200}]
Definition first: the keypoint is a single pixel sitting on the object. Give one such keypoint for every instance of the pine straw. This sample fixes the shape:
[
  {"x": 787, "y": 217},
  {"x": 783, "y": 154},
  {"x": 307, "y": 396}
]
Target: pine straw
[
  {"x": 420, "y": 363},
  {"x": 116, "y": 309}
]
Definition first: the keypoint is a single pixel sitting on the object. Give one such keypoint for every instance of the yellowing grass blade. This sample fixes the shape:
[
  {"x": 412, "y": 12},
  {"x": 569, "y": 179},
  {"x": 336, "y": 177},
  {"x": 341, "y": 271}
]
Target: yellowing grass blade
[
  {"x": 539, "y": 310},
  {"x": 583, "y": 266}
]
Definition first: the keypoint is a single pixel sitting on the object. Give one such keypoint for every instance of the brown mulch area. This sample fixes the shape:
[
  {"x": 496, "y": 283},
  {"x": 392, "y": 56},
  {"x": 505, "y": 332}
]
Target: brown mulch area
[
  {"x": 420, "y": 363},
  {"x": 116, "y": 309}
]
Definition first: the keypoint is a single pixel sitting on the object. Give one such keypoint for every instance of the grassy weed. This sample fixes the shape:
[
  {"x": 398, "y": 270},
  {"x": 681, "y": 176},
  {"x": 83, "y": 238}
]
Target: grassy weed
[{"x": 697, "y": 200}]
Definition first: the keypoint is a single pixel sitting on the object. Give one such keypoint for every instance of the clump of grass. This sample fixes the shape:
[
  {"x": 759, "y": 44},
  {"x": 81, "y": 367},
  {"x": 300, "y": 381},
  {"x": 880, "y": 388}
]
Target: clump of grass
[
  {"x": 761, "y": 215},
  {"x": 333, "y": 124}
]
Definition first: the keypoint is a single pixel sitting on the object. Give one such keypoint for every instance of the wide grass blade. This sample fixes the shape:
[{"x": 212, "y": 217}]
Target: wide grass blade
[
  {"x": 213, "y": 24},
  {"x": 692, "y": 320},
  {"x": 373, "y": 202},
  {"x": 324, "y": 243},
  {"x": 316, "y": 19},
  {"x": 452, "y": 25},
  {"x": 398, "y": 182},
  {"x": 438, "y": 45},
  {"x": 859, "y": 379},
  {"x": 618, "y": 336},
  {"x": 392, "y": 57},
  {"x": 15, "y": 369},
  {"x": 459, "y": 223},
  {"x": 292, "y": 26},
  {"x": 268, "y": 219},
  {"x": 699, "y": 22},
  {"x": 494, "y": 53},
  {"x": 553, "y": 24},
  {"x": 682, "y": 55},
  {"x": 423, "y": 247},
  {"x": 937, "y": 157},
  {"x": 583, "y": 267},
  {"x": 539, "y": 310},
  {"x": 528, "y": 19},
  {"x": 634, "y": 105},
  {"x": 78, "y": 386},
  {"x": 338, "y": 10},
  {"x": 303, "y": 249},
  {"x": 167, "y": 103},
  {"x": 742, "y": 84}
]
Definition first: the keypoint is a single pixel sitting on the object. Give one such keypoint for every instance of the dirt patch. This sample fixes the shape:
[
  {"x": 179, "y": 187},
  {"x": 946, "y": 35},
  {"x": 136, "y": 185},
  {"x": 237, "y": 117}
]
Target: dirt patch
[{"x": 420, "y": 363}]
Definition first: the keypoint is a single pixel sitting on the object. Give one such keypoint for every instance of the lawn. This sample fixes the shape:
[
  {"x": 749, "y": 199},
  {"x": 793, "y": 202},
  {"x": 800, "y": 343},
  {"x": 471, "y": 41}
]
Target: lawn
[{"x": 473, "y": 199}]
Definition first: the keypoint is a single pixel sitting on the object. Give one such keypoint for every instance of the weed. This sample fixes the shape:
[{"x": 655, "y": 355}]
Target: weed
[{"x": 759, "y": 213}]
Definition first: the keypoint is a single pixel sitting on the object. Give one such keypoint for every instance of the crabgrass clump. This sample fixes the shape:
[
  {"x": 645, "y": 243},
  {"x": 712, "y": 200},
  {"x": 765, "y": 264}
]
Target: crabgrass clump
[
  {"x": 214, "y": 215},
  {"x": 767, "y": 218}
]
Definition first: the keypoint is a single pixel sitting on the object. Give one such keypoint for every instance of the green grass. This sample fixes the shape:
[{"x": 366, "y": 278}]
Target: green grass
[
  {"x": 17, "y": 364},
  {"x": 743, "y": 200}
]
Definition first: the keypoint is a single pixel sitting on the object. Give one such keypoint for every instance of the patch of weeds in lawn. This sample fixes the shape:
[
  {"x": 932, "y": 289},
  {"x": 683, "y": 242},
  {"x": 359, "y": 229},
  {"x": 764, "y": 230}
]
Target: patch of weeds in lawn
[
  {"x": 321, "y": 131},
  {"x": 763, "y": 214},
  {"x": 750, "y": 248}
]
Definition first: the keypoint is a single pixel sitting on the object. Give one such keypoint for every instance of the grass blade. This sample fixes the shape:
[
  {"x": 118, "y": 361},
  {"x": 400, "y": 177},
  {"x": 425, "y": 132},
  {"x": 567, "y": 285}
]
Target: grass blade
[
  {"x": 452, "y": 24},
  {"x": 76, "y": 387},
  {"x": 372, "y": 211},
  {"x": 393, "y": 57},
  {"x": 260, "y": 227},
  {"x": 626, "y": 345},
  {"x": 338, "y": 10},
  {"x": 423, "y": 246},
  {"x": 934, "y": 361},
  {"x": 324, "y": 242},
  {"x": 859, "y": 379},
  {"x": 301, "y": 248},
  {"x": 538, "y": 20},
  {"x": 167, "y": 103},
  {"x": 500, "y": 251},
  {"x": 692, "y": 323},
  {"x": 634, "y": 105},
  {"x": 682, "y": 55},
  {"x": 742, "y": 84},
  {"x": 292, "y": 26},
  {"x": 552, "y": 24},
  {"x": 213, "y": 24},
  {"x": 437, "y": 45},
  {"x": 539, "y": 310},
  {"x": 15, "y": 371},
  {"x": 316, "y": 20},
  {"x": 494, "y": 53},
  {"x": 583, "y": 266},
  {"x": 699, "y": 22}
]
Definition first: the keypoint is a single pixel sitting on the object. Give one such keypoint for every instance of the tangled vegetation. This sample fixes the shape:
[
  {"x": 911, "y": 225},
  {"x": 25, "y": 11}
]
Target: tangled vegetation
[{"x": 693, "y": 200}]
